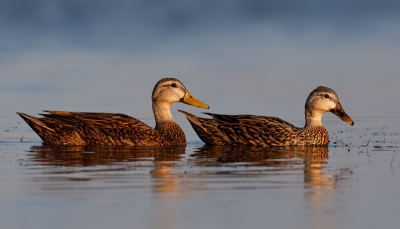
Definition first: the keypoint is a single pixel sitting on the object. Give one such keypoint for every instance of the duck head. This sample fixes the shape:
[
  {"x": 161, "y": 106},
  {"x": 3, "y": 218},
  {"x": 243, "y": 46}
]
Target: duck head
[
  {"x": 170, "y": 90},
  {"x": 323, "y": 99}
]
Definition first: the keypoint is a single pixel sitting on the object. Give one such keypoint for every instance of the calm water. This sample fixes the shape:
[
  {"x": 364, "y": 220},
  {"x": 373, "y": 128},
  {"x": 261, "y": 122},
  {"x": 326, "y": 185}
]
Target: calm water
[
  {"x": 240, "y": 57},
  {"x": 354, "y": 182}
]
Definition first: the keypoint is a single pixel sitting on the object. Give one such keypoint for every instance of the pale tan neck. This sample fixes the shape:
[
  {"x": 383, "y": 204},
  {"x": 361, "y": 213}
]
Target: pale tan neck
[
  {"x": 313, "y": 118},
  {"x": 166, "y": 125},
  {"x": 162, "y": 112}
]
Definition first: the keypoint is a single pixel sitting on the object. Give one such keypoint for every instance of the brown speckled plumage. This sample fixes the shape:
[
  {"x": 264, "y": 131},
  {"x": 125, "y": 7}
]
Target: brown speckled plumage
[
  {"x": 109, "y": 129},
  {"x": 270, "y": 131}
]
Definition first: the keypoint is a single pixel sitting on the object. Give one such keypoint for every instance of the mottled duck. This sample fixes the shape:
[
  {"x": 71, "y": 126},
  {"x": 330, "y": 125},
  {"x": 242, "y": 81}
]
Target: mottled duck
[
  {"x": 112, "y": 129},
  {"x": 271, "y": 131}
]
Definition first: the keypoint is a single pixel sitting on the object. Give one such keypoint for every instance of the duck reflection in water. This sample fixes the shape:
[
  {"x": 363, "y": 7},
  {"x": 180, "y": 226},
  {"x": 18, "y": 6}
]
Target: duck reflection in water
[
  {"x": 281, "y": 163},
  {"x": 158, "y": 162},
  {"x": 92, "y": 156},
  {"x": 309, "y": 159},
  {"x": 171, "y": 174}
]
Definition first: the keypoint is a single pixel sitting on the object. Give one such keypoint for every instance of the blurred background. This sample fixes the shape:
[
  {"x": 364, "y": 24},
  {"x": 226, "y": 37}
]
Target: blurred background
[{"x": 238, "y": 56}]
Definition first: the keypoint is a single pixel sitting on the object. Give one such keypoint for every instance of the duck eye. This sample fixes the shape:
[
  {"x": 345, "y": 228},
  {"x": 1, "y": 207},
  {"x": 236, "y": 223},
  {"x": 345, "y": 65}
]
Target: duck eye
[
  {"x": 326, "y": 96},
  {"x": 173, "y": 85}
]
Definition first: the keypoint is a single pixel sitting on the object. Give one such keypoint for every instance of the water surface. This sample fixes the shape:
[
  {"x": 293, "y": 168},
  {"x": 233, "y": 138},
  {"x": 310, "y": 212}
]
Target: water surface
[{"x": 352, "y": 182}]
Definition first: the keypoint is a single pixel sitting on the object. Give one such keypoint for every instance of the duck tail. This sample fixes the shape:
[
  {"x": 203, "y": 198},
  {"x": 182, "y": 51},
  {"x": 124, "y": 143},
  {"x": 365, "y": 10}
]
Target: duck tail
[
  {"x": 192, "y": 119},
  {"x": 34, "y": 123}
]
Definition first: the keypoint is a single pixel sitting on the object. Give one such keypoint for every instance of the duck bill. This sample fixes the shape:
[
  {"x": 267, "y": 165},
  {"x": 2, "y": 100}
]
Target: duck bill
[
  {"x": 338, "y": 111},
  {"x": 189, "y": 99}
]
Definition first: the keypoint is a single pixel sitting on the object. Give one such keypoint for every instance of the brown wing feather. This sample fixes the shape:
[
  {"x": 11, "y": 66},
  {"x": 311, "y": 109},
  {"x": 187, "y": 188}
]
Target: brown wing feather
[
  {"x": 242, "y": 129},
  {"x": 83, "y": 128},
  {"x": 123, "y": 129},
  {"x": 110, "y": 129}
]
